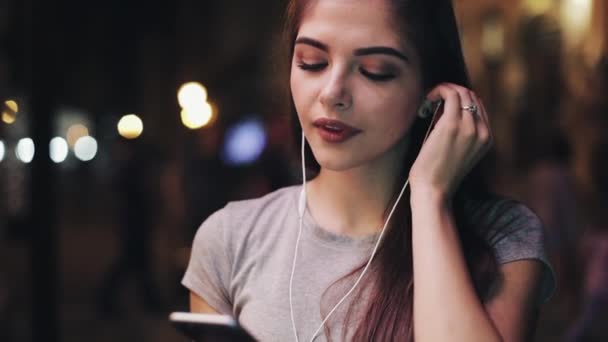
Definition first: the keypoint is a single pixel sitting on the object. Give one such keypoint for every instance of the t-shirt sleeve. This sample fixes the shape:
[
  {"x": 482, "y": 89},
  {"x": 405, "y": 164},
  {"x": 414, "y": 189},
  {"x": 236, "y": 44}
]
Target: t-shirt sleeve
[
  {"x": 208, "y": 272},
  {"x": 518, "y": 234}
]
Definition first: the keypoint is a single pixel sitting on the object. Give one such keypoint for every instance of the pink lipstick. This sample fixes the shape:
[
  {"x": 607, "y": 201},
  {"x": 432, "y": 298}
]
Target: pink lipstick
[{"x": 334, "y": 131}]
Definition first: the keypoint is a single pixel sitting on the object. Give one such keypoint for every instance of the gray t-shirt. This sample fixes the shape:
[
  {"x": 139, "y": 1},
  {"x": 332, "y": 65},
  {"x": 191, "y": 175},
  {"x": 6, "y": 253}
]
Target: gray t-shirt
[{"x": 242, "y": 258}]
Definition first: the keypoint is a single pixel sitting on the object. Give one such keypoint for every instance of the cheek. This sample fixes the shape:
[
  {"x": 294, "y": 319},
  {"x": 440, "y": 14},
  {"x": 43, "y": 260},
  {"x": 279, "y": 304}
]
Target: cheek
[
  {"x": 304, "y": 93},
  {"x": 396, "y": 113},
  {"x": 408, "y": 101},
  {"x": 298, "y": 92},
  {"x": 395, "y": 128},
  {"x": 293, "y": 86}
]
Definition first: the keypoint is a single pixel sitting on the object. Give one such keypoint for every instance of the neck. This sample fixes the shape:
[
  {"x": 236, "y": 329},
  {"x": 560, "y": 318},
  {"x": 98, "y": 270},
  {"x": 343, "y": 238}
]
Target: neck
[{"x": 354, "y": 202}]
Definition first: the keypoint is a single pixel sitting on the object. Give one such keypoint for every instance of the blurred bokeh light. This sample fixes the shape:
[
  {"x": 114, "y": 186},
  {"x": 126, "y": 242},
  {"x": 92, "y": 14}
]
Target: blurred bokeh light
[
  {"x": 2, "y": 149},
  {"x": 85, "y": 148},
  {"x": 576, "y": 15},
  {"x": 76, "y": 132},
  {"x": 196, "y": 111},
  {"x": 130, "y": 126},
  {"x": 196, "y": 117},
  {"x": 25, "y": 150},
  {"x": 9, "y": 111},
  {"x": 245, "y": 142},
  {"x": 58, "y": 149},
  {"x": 191, "y": 95},
  {"x": 536, "y": 7}
]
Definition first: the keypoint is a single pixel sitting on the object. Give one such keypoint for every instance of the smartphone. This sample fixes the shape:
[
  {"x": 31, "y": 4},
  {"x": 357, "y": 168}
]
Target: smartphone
[{"x": 209, "y": 327}]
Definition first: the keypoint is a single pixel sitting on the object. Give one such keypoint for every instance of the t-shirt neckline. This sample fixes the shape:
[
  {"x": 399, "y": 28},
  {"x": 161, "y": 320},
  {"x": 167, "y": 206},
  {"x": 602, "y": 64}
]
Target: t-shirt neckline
[{"x": 329, "y": 238}]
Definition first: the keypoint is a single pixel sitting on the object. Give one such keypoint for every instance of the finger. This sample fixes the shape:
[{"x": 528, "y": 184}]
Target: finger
[
  {"x": 486, "y": 131},
  {"x": 478, "y": 112},
  {"x": 466, "y": 95},
  {"x": 483, "y": 131},
  {"x": 451, "y": 106},
  {"x": 483, "y": 112},
  {"x": 469, "y": 119}
]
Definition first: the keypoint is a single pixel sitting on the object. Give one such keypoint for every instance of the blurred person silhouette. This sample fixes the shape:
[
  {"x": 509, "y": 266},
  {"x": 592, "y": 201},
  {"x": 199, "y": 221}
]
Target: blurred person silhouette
[
  {"x": 588, "y": 115},
  {"x": 135, "y": 212},
  {"x": 590, "y": 325},
  {"x": 541, "y": 155}
]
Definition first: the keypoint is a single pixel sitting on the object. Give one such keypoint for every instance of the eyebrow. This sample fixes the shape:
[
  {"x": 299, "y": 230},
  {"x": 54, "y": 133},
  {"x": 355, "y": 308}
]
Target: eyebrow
[{"x": 372, "y": 50}]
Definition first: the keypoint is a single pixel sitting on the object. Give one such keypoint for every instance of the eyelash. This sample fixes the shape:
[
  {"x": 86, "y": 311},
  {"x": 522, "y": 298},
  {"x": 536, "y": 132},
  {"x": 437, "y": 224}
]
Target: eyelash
[{"x": 371, "y": 76}]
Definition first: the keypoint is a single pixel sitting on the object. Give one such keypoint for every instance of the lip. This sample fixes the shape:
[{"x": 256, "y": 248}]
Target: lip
[{"x": 334, "y": 131}]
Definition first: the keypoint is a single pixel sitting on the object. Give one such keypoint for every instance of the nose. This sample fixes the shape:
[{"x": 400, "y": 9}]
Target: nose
[{"x": 336, "y": 96}]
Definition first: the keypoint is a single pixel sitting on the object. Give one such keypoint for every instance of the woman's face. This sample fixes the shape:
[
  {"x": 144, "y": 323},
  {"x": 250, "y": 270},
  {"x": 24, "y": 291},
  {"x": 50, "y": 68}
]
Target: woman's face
[{"x": 355, "y": 83}]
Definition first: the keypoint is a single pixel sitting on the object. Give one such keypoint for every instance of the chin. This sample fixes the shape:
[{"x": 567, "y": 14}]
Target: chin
[
  {"x": 339, "y": 160},
  {"x": 337, "y": 163}
]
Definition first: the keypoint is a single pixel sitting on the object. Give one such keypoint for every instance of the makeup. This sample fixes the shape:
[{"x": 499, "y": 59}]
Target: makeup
[{"x": 334, "y": 131}]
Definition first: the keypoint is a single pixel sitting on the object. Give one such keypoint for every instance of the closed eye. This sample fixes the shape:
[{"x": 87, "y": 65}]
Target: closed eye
[
  {"x": 376, "y": 77},
  {"x": 372, "y": 76},
  {"x": 311, "y": 67}
]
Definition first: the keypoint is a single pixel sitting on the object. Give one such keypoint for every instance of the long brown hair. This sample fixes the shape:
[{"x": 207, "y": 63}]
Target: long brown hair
[{"x": 386, "y": 296}]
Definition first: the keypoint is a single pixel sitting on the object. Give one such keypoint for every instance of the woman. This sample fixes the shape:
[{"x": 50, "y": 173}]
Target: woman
[{"x": 451, "y": 264}]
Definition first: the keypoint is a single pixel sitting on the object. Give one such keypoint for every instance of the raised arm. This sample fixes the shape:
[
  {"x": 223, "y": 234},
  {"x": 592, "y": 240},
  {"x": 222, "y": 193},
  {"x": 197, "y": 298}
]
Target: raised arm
[{"x": 446, "y": 307}]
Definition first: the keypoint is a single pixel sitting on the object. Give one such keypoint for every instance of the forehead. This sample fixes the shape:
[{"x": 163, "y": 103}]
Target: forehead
[{"x": 353, "y": 23}]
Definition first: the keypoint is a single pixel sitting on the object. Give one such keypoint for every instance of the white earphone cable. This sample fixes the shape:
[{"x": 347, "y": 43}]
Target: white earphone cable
[{"x": 301, "y": 209}]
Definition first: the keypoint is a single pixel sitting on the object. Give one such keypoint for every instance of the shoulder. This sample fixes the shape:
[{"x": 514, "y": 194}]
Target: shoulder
[
  {"x": 515, "y": 233},
  {"x": 249, "y": 221},
  {"x": 273, "y": 203},
  {"x": 498, "y": 218}
]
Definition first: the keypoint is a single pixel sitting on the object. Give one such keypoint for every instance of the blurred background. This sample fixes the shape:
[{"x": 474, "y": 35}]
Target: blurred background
[{"x": 124, "y": 124}]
